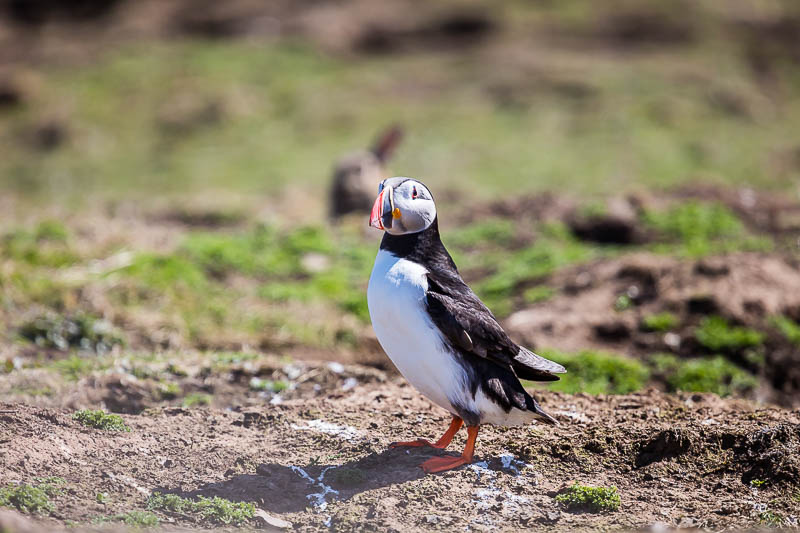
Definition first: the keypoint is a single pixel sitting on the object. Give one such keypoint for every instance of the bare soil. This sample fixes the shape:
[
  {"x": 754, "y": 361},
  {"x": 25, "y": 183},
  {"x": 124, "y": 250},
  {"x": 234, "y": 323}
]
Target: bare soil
[{"x": 321, "y": 460}]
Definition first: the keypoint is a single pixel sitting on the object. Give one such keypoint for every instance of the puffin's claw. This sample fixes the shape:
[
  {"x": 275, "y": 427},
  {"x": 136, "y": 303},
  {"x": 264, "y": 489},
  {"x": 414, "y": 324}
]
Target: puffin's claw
[{"x": 440, "y": 464}]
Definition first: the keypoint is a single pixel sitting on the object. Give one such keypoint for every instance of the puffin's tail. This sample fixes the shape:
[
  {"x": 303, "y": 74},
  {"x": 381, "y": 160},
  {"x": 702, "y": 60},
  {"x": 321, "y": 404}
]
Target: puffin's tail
[{"x": 540, "y": 413}]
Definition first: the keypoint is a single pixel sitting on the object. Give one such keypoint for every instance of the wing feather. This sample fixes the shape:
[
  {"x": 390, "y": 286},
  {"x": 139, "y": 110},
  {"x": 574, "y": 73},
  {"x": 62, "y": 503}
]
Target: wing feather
[{"x": 467, "y": 323}]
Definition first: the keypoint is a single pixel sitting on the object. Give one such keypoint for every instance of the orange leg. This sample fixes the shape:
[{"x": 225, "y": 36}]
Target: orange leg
[
  {"x": 441, "y": 444},
  {"x": 440, "y": 464}
]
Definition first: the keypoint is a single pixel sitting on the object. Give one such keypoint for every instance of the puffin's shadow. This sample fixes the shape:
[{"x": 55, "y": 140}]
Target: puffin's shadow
[{"x": 286, "y": 489}]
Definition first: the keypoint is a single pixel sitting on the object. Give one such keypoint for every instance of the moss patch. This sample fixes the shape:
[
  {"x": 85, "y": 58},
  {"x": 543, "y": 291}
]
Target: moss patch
[
  {"x": 196, "y": 399},
  {"x": 708, "y": 374},
  {"x": 101, "y": 420},
  {"x": 788, "y": 328},
  {"x": 591, "y": 499},
  {"x": 697, "y": 229},
  {"x": 215, "y": 510},
  {"x": 596, "y": 372},
  {"x": 716, "y": 334},
  {"x": 660, "y": 322}
]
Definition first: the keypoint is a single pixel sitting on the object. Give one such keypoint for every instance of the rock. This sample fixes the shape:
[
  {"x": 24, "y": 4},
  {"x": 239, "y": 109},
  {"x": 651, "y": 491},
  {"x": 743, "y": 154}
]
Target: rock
[
  {"x": 619, "y": 224},
  {"x": 10, "y": 95},
  {"x": 38, "y": 12},
  {"x": 252, "y": 418},
  {"x": 612, "y": 331},
  {"x": 549, "y": 517},
  {"x": 272, "y": 521},
  {"x": 47, "y": 136},
  {"x": 604, "y": 229},
  {"x": 431, "y": 519},
  {"x": 703, "y": 304},
  {"x": 712, "y": 267}
]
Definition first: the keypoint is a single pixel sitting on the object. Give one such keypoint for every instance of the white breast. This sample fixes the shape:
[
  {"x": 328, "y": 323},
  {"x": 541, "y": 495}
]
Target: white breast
[{"x": 396, "y": 299}]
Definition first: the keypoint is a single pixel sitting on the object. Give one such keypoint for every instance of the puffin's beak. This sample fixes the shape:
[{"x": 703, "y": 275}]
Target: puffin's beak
[{"x": 381, "y": 216}]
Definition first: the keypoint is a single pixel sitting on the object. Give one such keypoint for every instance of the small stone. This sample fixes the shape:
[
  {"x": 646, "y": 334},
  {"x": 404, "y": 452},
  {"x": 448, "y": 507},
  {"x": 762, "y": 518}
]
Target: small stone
[
  {"x": 315, "y": 262},
  {"x": 550, "y": 517},
  {"x": 673, "y": 340},
  {"x": 335, "y": 367},
  {"x": 272, "y": 521},
  {"x": 432, "y": 519}
]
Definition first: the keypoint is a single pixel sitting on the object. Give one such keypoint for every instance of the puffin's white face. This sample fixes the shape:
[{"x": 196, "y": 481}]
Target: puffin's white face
[{"x": 403, "y": 206}]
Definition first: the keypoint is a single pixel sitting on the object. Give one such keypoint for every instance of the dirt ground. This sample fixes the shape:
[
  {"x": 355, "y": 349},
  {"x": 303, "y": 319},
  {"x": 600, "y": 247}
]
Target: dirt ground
[
  {"x": 320, "y": 460},
  {"x": 316, "y": 456}
]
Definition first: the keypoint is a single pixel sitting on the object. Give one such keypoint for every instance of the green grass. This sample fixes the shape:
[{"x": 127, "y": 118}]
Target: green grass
[
  {"x": 196, "y": 399},
  {"x": 639, "y": 121},
  {"x": 708, "y": 374},
  {"x": 697, "y": 229},
  {"x": 788, "y": 328},
  {"x": 167, "y": 272},
  {"x": 591, "y": 499},
  {"x": 169, "y": 391},
  {"x": 75, "y": 367},
  {"x": 100, "y": 420},
  {"x": 660, "y": 322},
  {"x": 230, "y": 358},
  {"x": 44, "y": 245},
  {"x": 497, "y": 231},
  {"x": 596, "y": 372},
  {"x": 538, "y": 294},
  {"x": 308, "y": 265},
  {"x": 716, "y": 334},
  {"x": 770, "y": 519},
  {"x": 555, "y": 248},
  {"x": 51, "y": 485},
  {"x": 34, "y": 499},
  {"x": 215, "y": 510},
  {"x": 623, "y": 303},
  {"x": 268, "y": 385},
  {"x": 138, "y": 519}
]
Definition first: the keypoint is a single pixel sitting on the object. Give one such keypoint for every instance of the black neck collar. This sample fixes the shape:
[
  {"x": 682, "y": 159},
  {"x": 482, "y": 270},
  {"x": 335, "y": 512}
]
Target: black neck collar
[{"x": 424, "y": 247}]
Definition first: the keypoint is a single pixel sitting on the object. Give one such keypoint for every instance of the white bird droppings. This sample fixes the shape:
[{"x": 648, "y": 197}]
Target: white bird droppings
[{"x": 348, "y": 433}]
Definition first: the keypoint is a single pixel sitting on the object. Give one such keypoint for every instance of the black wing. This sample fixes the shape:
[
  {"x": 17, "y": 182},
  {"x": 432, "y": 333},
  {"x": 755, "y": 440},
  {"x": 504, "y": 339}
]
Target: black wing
[{"x": 468, "y": 324}]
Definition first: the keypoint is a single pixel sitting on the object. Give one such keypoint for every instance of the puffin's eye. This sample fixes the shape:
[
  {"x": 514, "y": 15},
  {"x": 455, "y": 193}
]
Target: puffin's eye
[{"x": 414, "y": 192}]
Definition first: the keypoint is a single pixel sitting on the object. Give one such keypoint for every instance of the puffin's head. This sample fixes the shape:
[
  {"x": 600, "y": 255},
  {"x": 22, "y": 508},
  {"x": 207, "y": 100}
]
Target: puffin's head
[{"x": 403, "y": 206}]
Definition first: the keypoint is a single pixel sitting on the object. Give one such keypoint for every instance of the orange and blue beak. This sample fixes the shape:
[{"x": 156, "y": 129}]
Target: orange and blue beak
[{"x": 383, "y": 210}]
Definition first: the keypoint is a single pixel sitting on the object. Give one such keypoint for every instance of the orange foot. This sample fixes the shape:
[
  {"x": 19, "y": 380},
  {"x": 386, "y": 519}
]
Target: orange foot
[
  {"x": 440, "y": 464},
  {"x": 440, "y": 444}
]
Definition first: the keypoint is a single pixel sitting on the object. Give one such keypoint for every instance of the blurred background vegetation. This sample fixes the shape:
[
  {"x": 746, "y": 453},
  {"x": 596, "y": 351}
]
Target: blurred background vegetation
[{"x": 166, "y": 169}]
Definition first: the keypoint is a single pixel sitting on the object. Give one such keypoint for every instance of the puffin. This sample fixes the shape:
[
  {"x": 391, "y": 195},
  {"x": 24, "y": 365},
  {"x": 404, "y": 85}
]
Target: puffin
[
  {"x": 355, "y": 175},
  {"x": 438, "y": 333}
]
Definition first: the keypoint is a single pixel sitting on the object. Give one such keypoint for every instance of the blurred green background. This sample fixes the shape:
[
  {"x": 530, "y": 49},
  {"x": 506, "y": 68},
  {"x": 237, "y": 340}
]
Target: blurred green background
[
  {"x": 152, "y": 98},
  {"x": 166, "y": 168}
]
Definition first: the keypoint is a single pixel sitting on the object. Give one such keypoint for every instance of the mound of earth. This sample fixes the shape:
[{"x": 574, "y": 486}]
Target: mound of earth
[
  {"x": 745, "y": 288},
  {"x": 322, "y": 462}
]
